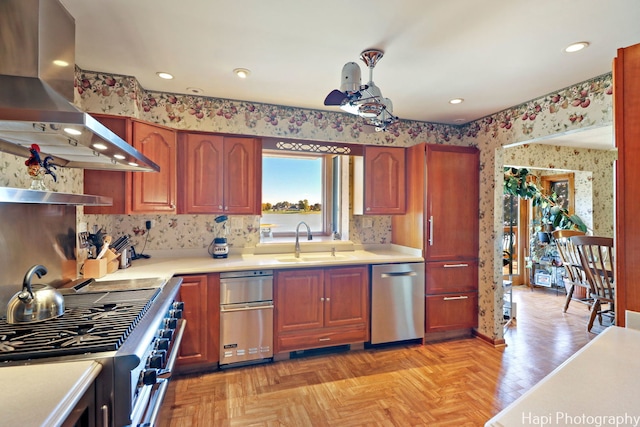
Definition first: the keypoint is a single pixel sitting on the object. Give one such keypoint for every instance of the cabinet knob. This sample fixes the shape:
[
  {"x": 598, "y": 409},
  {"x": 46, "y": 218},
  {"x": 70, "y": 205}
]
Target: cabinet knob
[
  {"x": 322, "y": 299},
  {"x": 328, "y": 299},
  {"x": 368, "y": 209},
  {"x": 226, "y": 208},
  {"x": 219, "y": 206}
]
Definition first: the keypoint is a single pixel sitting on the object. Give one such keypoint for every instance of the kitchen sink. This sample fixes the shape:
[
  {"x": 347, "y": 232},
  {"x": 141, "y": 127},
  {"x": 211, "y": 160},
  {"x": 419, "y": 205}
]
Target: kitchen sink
[{"x": 313, "y": 257}]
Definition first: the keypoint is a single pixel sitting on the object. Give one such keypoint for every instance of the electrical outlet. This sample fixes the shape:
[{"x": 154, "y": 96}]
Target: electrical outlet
[{"x": 367, "y": 222}]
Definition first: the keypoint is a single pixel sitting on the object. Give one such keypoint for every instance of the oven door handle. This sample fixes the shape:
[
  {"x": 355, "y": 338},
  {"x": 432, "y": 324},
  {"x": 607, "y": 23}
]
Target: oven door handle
[{"x": 160, "y": 388}]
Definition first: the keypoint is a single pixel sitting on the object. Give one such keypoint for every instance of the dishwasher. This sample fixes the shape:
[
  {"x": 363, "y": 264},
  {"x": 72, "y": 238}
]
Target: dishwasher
[
  {"x": 246, "y": 317},
  {"x": 397, "y": 302}
]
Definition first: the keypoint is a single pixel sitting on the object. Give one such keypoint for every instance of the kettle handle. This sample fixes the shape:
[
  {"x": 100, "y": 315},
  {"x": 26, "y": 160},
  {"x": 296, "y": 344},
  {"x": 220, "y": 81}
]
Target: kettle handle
[{"x": 27, "y": 291}]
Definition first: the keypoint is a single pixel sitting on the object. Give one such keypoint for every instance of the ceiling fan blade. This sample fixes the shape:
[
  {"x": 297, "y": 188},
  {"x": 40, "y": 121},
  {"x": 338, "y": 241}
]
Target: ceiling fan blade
[{"x": 335, "y": 97}]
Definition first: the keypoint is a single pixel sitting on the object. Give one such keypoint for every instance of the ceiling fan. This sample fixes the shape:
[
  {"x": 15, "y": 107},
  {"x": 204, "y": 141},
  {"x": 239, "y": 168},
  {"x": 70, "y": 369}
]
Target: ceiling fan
[{"x": 365, "y": 101}]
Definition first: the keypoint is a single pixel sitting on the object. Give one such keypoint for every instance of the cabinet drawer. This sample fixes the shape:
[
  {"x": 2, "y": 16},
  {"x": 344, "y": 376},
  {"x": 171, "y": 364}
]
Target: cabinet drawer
[
  {"x": 321, "y": 338},
  {"x": 451, "y": 311},
  {"x": 451, "y": 276}
]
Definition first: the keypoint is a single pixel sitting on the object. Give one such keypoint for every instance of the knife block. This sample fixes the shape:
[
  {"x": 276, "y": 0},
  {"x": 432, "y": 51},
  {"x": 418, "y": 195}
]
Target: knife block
[{"x": 95, "y": 268}]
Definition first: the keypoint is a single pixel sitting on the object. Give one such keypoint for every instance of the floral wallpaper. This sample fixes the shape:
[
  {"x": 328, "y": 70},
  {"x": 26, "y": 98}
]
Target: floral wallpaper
[{"x": 584, "y": 105}]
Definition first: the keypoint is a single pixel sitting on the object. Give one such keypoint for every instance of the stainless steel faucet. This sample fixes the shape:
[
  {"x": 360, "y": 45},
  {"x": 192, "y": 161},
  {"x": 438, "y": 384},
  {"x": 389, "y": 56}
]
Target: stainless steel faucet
[{"x": 309, "y": 237}]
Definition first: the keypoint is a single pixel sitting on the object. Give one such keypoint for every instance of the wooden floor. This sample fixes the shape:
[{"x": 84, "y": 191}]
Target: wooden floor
[{"x": 454, "y": 383}]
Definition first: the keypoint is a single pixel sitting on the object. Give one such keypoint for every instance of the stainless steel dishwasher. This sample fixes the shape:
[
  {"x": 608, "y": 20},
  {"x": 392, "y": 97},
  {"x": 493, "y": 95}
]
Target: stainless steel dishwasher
[
  {"x": 397, "y": 302},
  {"x": 246, "y": 317}
]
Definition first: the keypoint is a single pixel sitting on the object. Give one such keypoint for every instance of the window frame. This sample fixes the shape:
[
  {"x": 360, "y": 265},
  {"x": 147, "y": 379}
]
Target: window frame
[{"x": 328, "y": 188}]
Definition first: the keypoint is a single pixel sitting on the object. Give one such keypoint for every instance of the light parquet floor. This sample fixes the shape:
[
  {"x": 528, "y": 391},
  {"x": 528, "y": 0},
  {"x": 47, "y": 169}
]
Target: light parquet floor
[{"x": 453, "y": 383}]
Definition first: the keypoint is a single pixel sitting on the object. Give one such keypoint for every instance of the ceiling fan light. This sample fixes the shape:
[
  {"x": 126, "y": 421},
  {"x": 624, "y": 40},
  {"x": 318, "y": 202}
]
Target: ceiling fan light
[
  {"x": 369, "y": 110},
  {"x": 351, "y": 78},
  {"x": 349, "y": 107}
]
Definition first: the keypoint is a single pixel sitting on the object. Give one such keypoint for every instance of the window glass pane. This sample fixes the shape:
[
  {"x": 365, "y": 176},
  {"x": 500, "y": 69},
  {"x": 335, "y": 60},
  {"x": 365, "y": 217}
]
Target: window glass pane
[{"x": 292, "y": 191}]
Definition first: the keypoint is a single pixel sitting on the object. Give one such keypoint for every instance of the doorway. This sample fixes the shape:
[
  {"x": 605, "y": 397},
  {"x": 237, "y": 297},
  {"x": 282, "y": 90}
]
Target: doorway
[{"x": 514, "y": 239}]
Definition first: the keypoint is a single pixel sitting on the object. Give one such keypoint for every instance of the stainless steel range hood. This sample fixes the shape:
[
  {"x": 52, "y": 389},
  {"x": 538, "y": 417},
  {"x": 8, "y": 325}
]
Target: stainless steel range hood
[{"x": 36, "y": 94}]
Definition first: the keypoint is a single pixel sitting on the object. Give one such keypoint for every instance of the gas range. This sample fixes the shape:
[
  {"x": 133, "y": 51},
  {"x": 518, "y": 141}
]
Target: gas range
[
  {"x": 132, "y": 328},
  {"x": 91, "y": 323}
]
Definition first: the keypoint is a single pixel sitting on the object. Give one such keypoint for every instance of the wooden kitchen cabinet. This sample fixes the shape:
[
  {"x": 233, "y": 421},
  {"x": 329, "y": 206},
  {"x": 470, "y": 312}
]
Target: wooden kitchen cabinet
[
  {"x": 200, "y": 344},
  {"x": 321, "y": 307},
  {"x": 446, "y": 312},
  {"x": 137, "y": 192},
  {"x": 155, "y": 192},
  {"x": 451, "y": 276},
  {"x": 442, "y": 219},
  {"x": 380, "y": 182},
  {"x": 452, "y": 197},
  {"x": 114, "y": 184},
  {"x": 626, "y": 83},
  {"x": 219, "y": 174}
]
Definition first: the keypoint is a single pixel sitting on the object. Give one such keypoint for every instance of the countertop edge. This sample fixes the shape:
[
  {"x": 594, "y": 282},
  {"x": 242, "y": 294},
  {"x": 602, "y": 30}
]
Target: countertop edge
[
  {"x": 163, "y": 266},
  {"x": 73, "y": 396},
  {"x": 67, "y": 383}
]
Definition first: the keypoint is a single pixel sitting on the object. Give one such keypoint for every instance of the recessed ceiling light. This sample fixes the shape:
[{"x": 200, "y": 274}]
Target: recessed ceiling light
[
  {"x": 99, "y": 146},
  {"x": 133, "y": 164},
  {"x": 60, "y": 63},
  {"x": 576, "y": 47},
  {"x": 164, "y": 75},
  {"x": 243, "y": 73},
  {"x": 456, "y": 101},
  {"x": 72, "y": 131},
  {"x": 118, "y": 156},
  {"x": 194, "y": 90}
]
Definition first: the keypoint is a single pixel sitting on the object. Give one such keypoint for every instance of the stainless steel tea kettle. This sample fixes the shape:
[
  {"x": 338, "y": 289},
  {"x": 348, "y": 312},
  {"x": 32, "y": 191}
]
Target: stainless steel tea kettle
[{"x": 35, "y": 303}]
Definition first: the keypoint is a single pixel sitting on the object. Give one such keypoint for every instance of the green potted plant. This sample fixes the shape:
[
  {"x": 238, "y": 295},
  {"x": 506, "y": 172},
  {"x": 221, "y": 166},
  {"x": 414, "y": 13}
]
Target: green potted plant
[
  {"x": 521, "y": 183},
  {"x": 518, "y": 183}
]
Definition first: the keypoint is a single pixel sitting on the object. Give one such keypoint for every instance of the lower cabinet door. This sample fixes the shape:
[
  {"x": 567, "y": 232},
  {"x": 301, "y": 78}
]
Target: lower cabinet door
[{"x": 447, "y": 312}]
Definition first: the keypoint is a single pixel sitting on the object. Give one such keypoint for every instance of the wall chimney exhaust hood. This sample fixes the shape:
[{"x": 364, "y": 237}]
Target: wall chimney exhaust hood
[{"x": 37, "y": 61}]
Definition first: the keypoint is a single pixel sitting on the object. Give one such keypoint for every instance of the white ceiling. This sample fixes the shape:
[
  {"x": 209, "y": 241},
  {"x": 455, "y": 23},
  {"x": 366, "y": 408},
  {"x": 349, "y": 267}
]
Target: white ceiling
[{"x": 493, "y": 53}]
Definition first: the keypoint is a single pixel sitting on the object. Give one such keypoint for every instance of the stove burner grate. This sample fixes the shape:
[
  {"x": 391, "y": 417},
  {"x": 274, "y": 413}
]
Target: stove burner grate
[{"x": 91, "y": 323}]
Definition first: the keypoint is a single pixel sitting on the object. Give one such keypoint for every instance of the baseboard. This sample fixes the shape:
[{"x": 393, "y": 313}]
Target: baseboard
[
  {"x": 448, "y": 335},
  {"x": 491, "y": 341}
]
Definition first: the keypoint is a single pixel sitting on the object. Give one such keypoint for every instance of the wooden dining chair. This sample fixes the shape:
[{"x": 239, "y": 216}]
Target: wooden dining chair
[
  {"x": 596, "y": 256},
  {"x": 573, "y": 274}
]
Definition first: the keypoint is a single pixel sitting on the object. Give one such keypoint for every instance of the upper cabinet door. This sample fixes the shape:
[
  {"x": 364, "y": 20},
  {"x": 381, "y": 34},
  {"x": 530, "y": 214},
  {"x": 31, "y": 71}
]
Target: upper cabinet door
[
  {"x": 155, "y": 191},
  {"x": 384, "y": 180},
  {"x": 201, "y": 173},
  {"x": 452, "y": 218},
  {"x": 242, "y": 176}
]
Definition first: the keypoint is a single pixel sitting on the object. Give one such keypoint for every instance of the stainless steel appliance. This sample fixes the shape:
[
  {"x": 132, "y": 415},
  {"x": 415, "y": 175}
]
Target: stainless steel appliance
[
  {"x": 132, "y": 328},
  {"x": 37, "y": 54},
  {"x": 397, "y": 302},
  {"x": 246, "y": 317}
]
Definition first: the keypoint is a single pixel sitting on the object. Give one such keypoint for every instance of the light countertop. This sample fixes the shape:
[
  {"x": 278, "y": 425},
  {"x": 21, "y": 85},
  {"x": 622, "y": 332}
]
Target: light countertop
[
  {"x": 43, "y": 394},
  {"x": 600, "y": 381},
  {"x": 167, "y": 264}
]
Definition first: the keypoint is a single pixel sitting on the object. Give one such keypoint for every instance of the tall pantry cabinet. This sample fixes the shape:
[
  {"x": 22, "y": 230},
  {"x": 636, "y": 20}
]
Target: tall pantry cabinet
[
  {"x": 626, "y": 98},
  {"x": 442, "y": 219}
]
